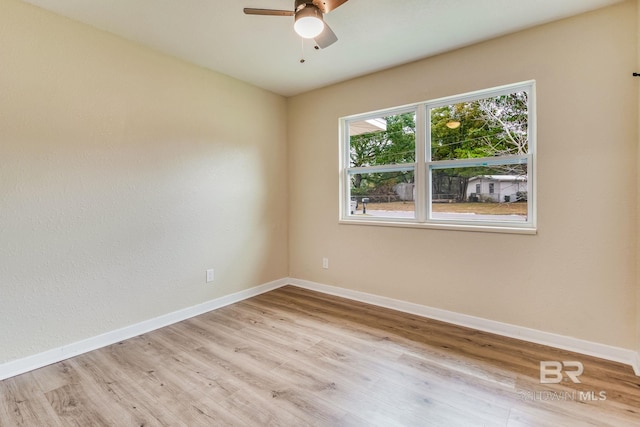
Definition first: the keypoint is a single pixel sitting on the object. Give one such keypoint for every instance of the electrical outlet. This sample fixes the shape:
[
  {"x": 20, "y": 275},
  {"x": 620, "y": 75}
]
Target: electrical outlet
[
  {"x": 210, "y": 275},
  {"x": 325, "y": 263}
]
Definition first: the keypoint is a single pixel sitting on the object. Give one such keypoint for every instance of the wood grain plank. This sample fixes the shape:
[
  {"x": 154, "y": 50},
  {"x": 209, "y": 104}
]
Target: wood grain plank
[{"x": 22, "y": 403}]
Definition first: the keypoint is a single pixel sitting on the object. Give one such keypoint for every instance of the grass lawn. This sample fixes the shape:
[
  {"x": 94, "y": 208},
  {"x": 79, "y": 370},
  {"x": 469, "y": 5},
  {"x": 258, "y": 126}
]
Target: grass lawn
[{"x": 519, "y": 208}]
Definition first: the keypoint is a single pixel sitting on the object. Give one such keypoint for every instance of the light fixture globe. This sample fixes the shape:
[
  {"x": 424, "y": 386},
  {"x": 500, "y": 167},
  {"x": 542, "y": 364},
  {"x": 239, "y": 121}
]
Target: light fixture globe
[{"x": 308, "y": 22}]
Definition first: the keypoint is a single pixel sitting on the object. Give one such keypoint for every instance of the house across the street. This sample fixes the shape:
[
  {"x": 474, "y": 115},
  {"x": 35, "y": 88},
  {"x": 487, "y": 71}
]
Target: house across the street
[{"x": 497, "y": 188}]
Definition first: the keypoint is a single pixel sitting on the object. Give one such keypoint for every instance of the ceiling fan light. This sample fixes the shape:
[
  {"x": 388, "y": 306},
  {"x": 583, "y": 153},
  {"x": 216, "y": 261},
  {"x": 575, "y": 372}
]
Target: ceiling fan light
[{"x": 308, "y": 22}]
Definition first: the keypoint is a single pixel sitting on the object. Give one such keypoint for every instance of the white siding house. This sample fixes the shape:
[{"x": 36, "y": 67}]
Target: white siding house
[{"x": 497, "y": 188}]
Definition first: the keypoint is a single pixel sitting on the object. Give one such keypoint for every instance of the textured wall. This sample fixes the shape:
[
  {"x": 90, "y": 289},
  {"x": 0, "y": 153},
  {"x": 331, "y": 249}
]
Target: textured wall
[
  {"x": 577, "y": 276},
  {"x": 124, "y": 175},
  {"x": 638, "y": 198}
]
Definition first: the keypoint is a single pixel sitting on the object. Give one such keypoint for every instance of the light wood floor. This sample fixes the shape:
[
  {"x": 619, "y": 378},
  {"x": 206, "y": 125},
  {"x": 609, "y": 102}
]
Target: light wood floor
[{"x": 293, "y": 357}]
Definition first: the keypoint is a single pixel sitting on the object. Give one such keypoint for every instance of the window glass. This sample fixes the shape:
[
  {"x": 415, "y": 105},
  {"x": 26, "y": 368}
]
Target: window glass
[
  {"x": 383, "y": 194},
  {"x": 384, "y": 140},
  {"x": 496, "y": 193},
  {"x": 489, "y": 127}
]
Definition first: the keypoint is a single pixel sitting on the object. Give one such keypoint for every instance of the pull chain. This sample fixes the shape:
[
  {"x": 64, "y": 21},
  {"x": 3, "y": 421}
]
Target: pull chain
[{"x": 302, "y": 50}]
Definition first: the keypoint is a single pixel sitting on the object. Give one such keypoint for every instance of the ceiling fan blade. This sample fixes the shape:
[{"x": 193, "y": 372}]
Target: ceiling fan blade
[
  {"x": 268, "y": 12},
  {"x": 327, "y": 6},
  {"x": 326, "y": 38}
]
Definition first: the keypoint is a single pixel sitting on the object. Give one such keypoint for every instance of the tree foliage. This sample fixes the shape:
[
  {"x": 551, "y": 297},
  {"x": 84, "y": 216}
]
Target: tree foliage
[{"x": 395, "y": 144}]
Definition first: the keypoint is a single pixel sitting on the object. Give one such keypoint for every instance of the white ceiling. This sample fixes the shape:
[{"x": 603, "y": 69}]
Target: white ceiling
[{"x": 265, "y": 51}]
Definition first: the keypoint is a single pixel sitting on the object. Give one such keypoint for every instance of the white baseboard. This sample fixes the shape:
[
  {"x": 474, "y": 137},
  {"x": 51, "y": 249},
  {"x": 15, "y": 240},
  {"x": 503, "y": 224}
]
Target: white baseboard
[
  {"x": 636, "y": 364},
  {"x": 20, "y": 366},
  {"x": 616, "y": 354}
]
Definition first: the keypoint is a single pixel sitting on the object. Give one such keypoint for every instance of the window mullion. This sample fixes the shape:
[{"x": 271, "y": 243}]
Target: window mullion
[
  {"x": 420, "y": 194},
  {"x": 345, "y": 188}
]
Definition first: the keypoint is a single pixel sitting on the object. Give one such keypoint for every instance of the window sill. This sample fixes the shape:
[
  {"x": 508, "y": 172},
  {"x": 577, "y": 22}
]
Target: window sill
[{"x": 442, "y": 226}]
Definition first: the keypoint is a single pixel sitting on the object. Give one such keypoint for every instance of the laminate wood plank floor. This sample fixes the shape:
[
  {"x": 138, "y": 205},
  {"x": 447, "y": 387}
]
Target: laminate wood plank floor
[{"x": 294, "y": 357}]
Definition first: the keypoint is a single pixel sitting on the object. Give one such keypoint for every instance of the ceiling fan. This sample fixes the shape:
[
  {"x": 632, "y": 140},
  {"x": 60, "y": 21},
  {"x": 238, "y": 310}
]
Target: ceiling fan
[{"x": 308, "y": 22}]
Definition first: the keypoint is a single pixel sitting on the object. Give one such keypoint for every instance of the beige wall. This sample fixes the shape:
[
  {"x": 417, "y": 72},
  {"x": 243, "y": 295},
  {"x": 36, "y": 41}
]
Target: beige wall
[
  {"x": 124, "y": 175},
  {"x": 577, "y": 276},
  {"x": 638, "y": 217}
]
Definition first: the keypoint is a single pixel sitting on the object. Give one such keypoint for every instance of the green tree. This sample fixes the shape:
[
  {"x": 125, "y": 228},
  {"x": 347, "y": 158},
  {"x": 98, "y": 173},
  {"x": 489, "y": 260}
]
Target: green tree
[
  {"x": 509, "y": 116},
  {"x": 489, "y": 127},
  {"x": 395, "y": 144}
]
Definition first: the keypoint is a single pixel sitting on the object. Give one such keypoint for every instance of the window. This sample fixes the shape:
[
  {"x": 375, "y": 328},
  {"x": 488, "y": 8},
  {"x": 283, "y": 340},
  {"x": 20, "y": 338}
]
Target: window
[
  {"x": 419, "y": 165},
  {"x": 381, "y": 172}
]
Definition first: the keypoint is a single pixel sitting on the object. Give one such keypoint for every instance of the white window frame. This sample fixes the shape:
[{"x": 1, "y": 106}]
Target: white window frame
[{"x": 424, "y": 166}]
